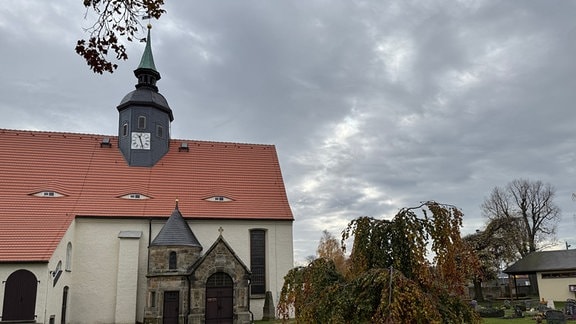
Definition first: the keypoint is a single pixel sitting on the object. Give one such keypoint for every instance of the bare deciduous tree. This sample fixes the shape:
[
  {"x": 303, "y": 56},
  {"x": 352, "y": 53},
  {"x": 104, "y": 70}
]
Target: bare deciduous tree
[{"x": 529, "y": 211}]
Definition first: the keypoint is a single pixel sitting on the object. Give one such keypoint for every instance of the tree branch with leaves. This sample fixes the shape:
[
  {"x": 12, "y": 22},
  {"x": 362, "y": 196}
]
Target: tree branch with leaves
[{"x": 116, "y": 20}]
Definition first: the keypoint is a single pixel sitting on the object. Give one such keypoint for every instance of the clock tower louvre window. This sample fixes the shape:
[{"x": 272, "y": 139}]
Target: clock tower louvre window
[
  {"x": 159, "y": 131},
  {"x": 141, "y": 122},
  {"x": 125, "y": 129}
]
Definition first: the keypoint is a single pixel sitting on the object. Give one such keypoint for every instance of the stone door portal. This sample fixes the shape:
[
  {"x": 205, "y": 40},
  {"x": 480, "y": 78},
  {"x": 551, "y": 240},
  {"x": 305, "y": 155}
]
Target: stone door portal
[
  {"x": 171, "y": 307},
  {"x": 219, "y": 299}
]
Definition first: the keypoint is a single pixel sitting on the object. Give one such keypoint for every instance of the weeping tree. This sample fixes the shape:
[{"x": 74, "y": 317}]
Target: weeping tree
[{"x": 410, "y": 269}]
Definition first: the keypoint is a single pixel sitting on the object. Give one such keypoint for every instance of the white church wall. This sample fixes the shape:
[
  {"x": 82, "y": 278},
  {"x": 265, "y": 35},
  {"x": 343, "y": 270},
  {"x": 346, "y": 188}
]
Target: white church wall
[
  {"x": 96, "y": 260},
  {"x": 96, "y": 269},
  {"x": 59, "y": 277}
]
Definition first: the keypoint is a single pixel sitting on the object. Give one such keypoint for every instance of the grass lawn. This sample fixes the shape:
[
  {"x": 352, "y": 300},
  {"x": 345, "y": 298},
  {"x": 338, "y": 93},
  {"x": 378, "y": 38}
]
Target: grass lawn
[{"x": 527, "y": 319}]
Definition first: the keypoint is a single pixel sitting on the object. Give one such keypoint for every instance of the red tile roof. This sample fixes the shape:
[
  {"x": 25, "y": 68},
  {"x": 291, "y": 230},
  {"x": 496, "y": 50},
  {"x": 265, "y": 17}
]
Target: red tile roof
[{"x": 93, "y": 178}]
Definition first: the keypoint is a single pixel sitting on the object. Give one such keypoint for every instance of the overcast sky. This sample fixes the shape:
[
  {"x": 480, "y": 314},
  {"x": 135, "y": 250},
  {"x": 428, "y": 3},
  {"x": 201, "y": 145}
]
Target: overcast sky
[{"x": 373, "y": 105}]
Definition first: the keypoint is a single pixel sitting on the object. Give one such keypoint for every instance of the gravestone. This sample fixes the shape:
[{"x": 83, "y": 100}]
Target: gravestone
[
  {"x": 570, "y": 308},
  {"x": 518, "y": 311},
  {"x": 269, "y": 310},
  {"x": 555, "y": 317}
]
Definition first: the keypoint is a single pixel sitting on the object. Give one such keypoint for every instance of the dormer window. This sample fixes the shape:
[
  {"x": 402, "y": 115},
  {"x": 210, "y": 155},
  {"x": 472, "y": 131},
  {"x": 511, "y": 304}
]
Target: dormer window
[
  {"x": 141, "y": 122},
  {"x": 48, "y": 194},
  {"x": 218, "y": 199},
  {"x": 135, "y": 196}
]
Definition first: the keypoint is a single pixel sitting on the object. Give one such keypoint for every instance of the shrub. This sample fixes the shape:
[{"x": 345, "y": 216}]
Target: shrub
[{"x": 491, "y": 312}]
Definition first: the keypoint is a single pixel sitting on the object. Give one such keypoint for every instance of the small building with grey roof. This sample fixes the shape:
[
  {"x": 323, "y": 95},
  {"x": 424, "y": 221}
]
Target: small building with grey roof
[{"x": 555, "y": 273}]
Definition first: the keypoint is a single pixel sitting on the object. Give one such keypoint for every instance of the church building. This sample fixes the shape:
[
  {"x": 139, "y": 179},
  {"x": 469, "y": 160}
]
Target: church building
[{"x": 140, "y": 227}]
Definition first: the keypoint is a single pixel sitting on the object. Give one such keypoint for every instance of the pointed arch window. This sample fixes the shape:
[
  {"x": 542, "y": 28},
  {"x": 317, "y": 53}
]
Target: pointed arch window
[
  {"x": 56, "y": 273},
  {"x": 68, "y": 257},
  {"x": 64, "y": 304},
  {"x": 172, "y": 261}
]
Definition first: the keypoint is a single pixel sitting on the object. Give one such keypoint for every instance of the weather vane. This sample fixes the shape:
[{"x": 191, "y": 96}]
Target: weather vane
[{"x": 149, "y": 26}]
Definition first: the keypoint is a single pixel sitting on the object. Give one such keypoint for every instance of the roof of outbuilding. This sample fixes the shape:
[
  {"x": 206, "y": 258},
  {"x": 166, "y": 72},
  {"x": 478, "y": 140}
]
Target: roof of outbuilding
[
  {"x": 176, "y": 232},
  {"x": 93, "y": 179},
  {"x": 544, "y": 261}
]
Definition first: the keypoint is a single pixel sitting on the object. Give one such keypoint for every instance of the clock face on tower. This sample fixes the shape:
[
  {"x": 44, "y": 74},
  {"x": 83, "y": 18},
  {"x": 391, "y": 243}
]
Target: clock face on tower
[{"x": 140, "y": 141}]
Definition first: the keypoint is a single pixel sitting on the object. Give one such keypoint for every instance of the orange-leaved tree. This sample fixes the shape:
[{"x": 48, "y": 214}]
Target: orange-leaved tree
[{"x": 409, "y": 269}]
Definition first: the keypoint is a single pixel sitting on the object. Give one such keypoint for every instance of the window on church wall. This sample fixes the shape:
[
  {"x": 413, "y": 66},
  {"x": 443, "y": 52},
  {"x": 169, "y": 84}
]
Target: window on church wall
[
  {"x": 69, "y": 257},
  {"x": 141, "y": 122},
  {"x": 258, "y": 261},
  {"x": 172, "y": 261},
  {"x": 152, "y": 299},
  {"x": 125, "y": 129}
]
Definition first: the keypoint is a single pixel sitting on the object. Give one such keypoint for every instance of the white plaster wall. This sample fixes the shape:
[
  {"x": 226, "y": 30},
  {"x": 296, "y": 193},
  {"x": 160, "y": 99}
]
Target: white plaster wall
[
  {"x": 55, "y": 291},
  {"x": 127, "y": 280},
  {"x": 555, "y": 289},
  {"x": 95, "y": 268},
  {"x": 96, "y": 249}
]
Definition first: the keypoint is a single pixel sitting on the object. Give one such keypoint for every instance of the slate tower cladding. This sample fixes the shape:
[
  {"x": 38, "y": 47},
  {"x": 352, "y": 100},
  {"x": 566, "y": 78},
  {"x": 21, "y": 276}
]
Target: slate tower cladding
[{"x": 145, "y": 117}]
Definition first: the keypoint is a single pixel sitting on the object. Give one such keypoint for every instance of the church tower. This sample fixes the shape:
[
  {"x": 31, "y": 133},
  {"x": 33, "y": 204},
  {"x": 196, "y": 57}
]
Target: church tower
[
  {"x": 145, "y": 117},
  {"x": 171, "y": 254}
]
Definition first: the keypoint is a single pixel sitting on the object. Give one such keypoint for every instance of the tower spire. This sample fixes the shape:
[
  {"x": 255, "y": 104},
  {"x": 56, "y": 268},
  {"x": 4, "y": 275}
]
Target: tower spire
[{"x": 146, "y": 72}]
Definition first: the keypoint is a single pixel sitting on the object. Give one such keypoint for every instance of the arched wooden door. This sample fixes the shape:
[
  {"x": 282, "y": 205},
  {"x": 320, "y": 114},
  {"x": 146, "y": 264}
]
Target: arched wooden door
[
  {"x": 20, "y": 296},
  {"x": 219, "y": 299}
]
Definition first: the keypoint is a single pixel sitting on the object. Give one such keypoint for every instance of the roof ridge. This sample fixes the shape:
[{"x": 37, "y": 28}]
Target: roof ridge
[
  {"x": 221, "y": 142},
  {"x": 189, "y": 140},
  {"x": 25, "y": 131}
]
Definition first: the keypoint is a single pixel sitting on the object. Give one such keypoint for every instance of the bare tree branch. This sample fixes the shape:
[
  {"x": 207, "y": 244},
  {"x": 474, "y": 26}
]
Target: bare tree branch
[
  {"x": 117, "y": 19},
  {"x": 530, "y": 204}
]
